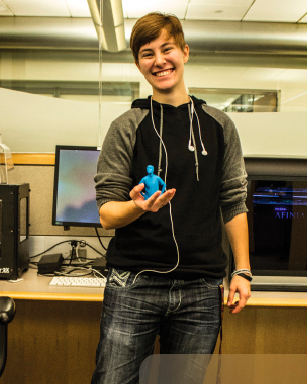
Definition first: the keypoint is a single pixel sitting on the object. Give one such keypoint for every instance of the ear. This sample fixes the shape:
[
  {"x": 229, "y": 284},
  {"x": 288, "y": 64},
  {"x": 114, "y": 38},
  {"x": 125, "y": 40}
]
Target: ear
[
  {"x": 138, "y": 66},
  {"x": 186, "y": 53}
]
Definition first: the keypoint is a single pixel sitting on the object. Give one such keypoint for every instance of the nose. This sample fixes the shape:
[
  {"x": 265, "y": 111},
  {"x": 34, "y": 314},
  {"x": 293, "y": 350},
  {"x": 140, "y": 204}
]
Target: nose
[{"x": 159, "y": 59}]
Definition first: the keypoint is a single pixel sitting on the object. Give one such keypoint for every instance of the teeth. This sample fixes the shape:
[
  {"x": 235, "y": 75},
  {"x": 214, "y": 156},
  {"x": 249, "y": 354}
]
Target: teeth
[{"x": 165, "y": 73}]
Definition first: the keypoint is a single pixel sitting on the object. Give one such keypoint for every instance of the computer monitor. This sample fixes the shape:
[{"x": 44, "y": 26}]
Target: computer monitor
[
  {"x": 74, "y": 202},
  {"x": 277, "y": 219}
]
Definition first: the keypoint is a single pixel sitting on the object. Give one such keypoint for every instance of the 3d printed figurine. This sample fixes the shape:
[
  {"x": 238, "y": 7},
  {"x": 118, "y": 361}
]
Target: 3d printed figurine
[{"x": 151, "y": 183}]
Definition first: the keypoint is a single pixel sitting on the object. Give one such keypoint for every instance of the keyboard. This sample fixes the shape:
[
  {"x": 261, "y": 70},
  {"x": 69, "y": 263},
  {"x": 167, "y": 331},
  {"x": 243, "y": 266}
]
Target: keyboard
[{"x": 74, "y": 281}]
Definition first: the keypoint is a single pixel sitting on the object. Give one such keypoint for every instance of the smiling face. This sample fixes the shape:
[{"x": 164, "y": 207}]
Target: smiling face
[{"x": 161, "y": 62}]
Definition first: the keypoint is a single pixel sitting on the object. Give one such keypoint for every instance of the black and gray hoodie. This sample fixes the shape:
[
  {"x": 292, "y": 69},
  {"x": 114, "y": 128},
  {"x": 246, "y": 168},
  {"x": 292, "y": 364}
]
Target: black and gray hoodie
[{"x": 205, "y": 186}]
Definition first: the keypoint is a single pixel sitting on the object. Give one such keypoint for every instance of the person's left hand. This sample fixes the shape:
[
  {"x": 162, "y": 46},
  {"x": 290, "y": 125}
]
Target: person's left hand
[
  {"x": 243, "y": 287},
  {"x": 155, "y": 202}
]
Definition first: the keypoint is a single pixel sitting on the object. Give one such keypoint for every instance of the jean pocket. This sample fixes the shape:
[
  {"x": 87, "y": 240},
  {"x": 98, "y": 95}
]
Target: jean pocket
[
  {"x": 210, "y": 282},
  {"x": 121, "y": 279}
]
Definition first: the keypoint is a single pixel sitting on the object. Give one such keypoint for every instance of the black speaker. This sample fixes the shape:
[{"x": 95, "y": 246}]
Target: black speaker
[{"x": 14, "y": 230}]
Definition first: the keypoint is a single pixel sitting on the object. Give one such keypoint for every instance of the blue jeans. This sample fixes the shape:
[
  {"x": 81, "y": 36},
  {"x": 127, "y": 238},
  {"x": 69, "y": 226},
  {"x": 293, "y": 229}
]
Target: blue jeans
[{"x": 185, "y": 313}]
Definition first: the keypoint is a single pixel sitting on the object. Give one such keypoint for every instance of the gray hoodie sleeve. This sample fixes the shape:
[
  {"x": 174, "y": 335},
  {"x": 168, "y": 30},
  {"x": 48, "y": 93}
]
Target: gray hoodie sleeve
[
  {"x": 113, "y": 179},
  {"x": 233, "y": 189}
]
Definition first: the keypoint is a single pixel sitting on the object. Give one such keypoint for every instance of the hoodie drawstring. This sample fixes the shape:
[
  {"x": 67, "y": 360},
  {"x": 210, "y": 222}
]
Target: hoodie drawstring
[{"x": 192, "y": 148}]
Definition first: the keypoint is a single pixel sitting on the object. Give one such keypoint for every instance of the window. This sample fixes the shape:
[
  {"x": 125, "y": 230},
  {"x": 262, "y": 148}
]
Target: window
[{"x": 239, "y": 100}]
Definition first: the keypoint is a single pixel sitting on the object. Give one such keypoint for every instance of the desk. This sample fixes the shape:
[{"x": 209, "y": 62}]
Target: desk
[
  {"x": 36, "y": 287},
  {"x": 54, "y": 335}
]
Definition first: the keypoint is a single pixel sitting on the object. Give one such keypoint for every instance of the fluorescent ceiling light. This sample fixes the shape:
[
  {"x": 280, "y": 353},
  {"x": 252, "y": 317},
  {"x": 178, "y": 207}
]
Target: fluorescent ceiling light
[{"x": 108, "y": 19}]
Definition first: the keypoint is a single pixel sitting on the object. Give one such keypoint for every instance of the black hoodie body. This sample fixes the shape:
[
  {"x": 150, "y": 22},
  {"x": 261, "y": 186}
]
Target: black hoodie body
[{"x": 185, "y": 234}]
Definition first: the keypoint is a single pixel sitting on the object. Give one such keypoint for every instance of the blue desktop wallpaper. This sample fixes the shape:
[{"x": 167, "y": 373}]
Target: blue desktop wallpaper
[{"x": 76, "y": 187}]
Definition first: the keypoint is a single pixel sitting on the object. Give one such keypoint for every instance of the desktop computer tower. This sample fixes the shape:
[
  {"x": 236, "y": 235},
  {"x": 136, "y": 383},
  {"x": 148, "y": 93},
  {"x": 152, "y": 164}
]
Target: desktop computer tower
[{"x": 14, "y": 230}]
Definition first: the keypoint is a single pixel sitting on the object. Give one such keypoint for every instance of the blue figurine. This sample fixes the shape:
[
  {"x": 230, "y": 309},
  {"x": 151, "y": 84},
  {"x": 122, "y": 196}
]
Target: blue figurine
[{"x": 151, "y": 183}]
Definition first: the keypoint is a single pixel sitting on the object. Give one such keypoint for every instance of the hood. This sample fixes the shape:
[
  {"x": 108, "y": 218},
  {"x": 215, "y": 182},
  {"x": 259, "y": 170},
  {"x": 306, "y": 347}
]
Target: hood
[{"x": 191, "y": 109}]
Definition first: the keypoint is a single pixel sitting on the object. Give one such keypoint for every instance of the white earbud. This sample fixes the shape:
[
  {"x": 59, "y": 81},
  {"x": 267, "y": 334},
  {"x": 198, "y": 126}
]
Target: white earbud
[{"x": 191, "y": 148}]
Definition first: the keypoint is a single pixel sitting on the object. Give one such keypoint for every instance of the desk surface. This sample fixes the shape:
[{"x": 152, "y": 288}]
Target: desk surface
[{"x": 35, "y": 287}]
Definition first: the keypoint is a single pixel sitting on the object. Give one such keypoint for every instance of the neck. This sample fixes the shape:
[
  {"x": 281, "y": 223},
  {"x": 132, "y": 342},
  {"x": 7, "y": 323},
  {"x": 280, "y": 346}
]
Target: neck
[{"x": 171, "y": 98}]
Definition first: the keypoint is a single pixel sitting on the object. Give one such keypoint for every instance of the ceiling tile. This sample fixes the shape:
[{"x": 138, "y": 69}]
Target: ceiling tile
[
  {"x": 246, "y": 3},
  {"x": 261, "y": 74},
  {"x": 293, "y": 76},
  {"x": 78, "y": 8},
  {"x": 292, "y": 92},
  {"x": 4, "y": 11},
  {"x": 277, "y": 10},
  {"x": 294, "y": 100},
  {"x": 53, "y": 8},
  {"x": 304, "y": 19},
  {"x": 216, "y": 12},
  {"x": 216, "y": 74},
  {"x": 139, "y": 8}
]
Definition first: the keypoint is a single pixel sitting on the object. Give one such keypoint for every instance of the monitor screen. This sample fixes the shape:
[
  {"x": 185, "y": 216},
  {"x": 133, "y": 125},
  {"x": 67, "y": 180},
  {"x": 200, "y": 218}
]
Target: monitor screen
[
  {"x": 74, "y": 202},
  {"x": 278, "y": 226}
]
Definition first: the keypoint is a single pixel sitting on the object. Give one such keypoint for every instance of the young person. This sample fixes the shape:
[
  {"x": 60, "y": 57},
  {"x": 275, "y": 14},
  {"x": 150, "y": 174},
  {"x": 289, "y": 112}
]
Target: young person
[{"x": 166, "y": 262}]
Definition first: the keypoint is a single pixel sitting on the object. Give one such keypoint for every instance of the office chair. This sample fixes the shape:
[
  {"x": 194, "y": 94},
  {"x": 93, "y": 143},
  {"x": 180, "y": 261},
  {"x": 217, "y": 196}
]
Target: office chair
[{"x": 7, "y": 313}]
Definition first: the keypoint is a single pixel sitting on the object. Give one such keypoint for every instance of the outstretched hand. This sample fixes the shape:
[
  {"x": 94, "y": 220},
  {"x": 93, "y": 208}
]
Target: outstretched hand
[{"x": 155, "y": 202}]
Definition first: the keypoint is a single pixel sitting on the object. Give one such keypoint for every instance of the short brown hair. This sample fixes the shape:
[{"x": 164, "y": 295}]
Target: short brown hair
[{"x": 149, "y": 28}]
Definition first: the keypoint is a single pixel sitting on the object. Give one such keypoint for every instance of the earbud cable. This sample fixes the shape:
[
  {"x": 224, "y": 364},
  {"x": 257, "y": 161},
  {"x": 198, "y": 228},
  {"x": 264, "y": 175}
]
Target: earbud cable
[{"x": 170, "y": 205}]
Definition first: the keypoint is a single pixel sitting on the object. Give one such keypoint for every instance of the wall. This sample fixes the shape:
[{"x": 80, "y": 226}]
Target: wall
[
  {"x": 272, "y": 133},
  {"x": 36, "y": 123},
  {"x": 42, "y": 234},
  {"x": 33, "y": 123}
]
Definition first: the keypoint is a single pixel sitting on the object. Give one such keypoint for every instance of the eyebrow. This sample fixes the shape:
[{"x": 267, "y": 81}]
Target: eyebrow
[{"x": 150, "y": 49}]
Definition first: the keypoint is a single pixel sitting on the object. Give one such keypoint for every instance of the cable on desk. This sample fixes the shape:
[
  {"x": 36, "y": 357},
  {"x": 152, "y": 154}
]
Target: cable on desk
[
  {"x": 102, "y": 254},
  {"x": 97, "y": 273},
  {"x": 100, "y": 239},
  {"x": 70, "y": 241},
  {"x": 35, "y": 266},
  {"x": 55, "y": 245},
  {"x": 70, "y": 272},
  {"x": 70, "y": 268}
]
